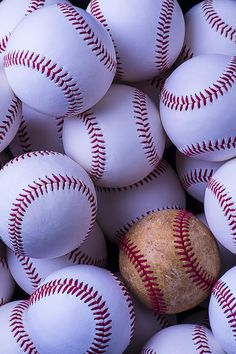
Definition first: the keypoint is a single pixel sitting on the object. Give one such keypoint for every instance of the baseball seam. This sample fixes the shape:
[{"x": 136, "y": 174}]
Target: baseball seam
[
  {"x": 3, "y": 301},
  {"x": 3, "y": 262},
  {"x": 186, "y": 53},
  {"x": 3, "y": 42},
  {"x": 23, "y": 136},
  {"x": 96, "y": 11},
  {"x": 226, "y": 203},
  {"x": 59, "y": 124},
  {"x": 162, "y": 320},
  {"x": 147, "y": 276},
  {"x": 185, "y": 251},
  {"x": 34, "y": 5},
  {"x": 10, "y": 118},
  {"x": 36, "y": 190},
  {"x": 143, "y": 127},
  {"x": 78, "y": 257},
  {"x": 148, "y": 351},
  {"x": 30, "y": 270},
  {"x": 200, "y": 340},
  {"x": 216, "y": 22},
  {"x": 163, "y": 35},
  {"x": 98, "y": 149},
  {"x": 226, "y": 300},
  {"x": 52, "y": 71},
  {"x": 91, "y": 298},
  {"x": 17, "y": 328},
  {"x": 88, "y": 35},
  {"x": 196, "y": 176}
]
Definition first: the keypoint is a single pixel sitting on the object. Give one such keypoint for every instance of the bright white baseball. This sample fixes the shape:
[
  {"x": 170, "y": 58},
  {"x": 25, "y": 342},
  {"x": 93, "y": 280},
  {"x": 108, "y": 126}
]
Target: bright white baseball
[
  {"x": 148, "y": 37},
  {"x": 88, "y": 306},
  {"x": 194, "y": 174},
  {"x": 198, "y": 107},
  {"x": 66, "y": 67},
  {"x": 11, "y": 14},
  {"x": 50, "y": 207},
  {"x": 210, "y": 28},
  {"x": 120, "y": 208},
  {"x": 14, "y": 335},
  {"x": 120, "y": 140},
  {"x": 222, "y": 311},
  {"x": 220, "y": 205},
  {"x": 37, "y": 131},
  {"x": 29, "y": 273},
  {"x": 183, "y": 338},
  {"x": 7, "y": 284},
  {"x": 10, "y": 108}
]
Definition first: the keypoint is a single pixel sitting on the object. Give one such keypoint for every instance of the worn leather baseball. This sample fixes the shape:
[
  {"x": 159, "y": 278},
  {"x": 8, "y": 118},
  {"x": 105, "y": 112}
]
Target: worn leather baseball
[{"x": 170, "y": 260}]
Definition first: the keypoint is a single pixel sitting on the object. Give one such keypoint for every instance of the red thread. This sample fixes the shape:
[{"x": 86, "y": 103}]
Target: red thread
[
  {"x": 144, "y": 129},
  {"x": 30, "y": 270},
  {"x": 23, "y": 136},
  {"x": 226, "y": 204},
  {"x": 163, "y": 35},
  {"x": 186, "y": 53},
  {"x": 52, "y": 71},
  {"x": 216, "y": 22},
  {"x": 148, "y": 351},
  {"x": 96, "y": 11},
  {"x": 36, "y": 190},
  {"x": 78, "y": 257},
  {"x": 185, "y": 251},
  {"x": 146, "y": 274},
  {"x": 60, "y": 123},
  {"x": 35, "y": 5},
  {"x": 226, "y": 300},
  {"x": 200, "y": 340},
  {"x": 10, "y": 118},
  {"x": 91, "y": 298},
  {"x": 3, "y": 42},
  {"x": 97, "y": 47},
  {"x": 97, "y": 145},
  {"x": 162, "y": 320},
  {"x": 202, "y": 98},
  {"x": 18, "y": 330},
  {"x": 195, "y": 176}
]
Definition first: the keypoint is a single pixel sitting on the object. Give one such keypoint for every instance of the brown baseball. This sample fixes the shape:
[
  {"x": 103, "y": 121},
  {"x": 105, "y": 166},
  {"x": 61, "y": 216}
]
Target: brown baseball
[{"x": 170, "y": 260}]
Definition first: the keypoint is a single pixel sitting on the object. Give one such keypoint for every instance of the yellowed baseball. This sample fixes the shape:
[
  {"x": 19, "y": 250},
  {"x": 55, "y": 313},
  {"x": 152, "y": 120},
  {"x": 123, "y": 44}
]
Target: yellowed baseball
[{"x": 170, "y": 260}]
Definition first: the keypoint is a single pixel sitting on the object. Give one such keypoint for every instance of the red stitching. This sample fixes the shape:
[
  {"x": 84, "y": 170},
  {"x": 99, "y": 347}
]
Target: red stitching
[
  {"x": 226, "y": 203},
  {"x": 97, "y": 145},
  {"x": 18, "y": 330},
  {"x": 9, "y": 118},
  {"x": 96, "y": 11},
  {"x": 196, "y": 176},
  {"x": 78, "y": 257},
  {"x": 186, "y": 53},
  {"x": 36, "y": 190},
  {"x": 182, "y": 243},
  {"x": 162, "y": 320},
  {"x": 200, "y": 339},
  {"x": 216, "y": 22},
  {"x": 30, "y": 270},
  {"x": 23, "y": 136},
  {"x": 35, "y": 5},
  {"x": 3, "y": 262},
  {"x": 144, "y": 129},
  {"x": 148, "y": 351},
  {"x": 97, "y": 47},
  {"x": 163, "y": 34},
  {"x": 202, "y": 98},
  {"x": 60, "y": 123},
  {"x": 3, "y": 42},
  {"x": 91, "y": 298},
  {"x": 146, "y": 274},
  {"x": 53, "y": 72},
  {"x": 226, "y": 300}
]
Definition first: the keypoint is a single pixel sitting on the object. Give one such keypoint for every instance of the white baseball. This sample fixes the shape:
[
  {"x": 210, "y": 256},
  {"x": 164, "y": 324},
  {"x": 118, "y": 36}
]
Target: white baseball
[
  {"x": 183, "y": 338},
  {"x": 29, "y": 273},
  {"x": 66, "y": 67},
  {"x": 148, "y": 37},
  {"x": 222, "y": 311},
  {"x": 121, "y": 208},
  {"x": 120, "y": 140},
  {"x": 210, "y": 29},
  {"x": 11, "y": 14},
  {"x": 198, "y": 107},
  {"x": 10, "y": 108},
  {"x": 7, "y": 284},
  {"x": 50, "y": 207},
  {"x": 37, "y": 131},
  {"x": 14, "y": 335},
  {"x": 194, "y": 174},
  {"x": 88, "y": 306},
  {"x": 220, "y": 205}
]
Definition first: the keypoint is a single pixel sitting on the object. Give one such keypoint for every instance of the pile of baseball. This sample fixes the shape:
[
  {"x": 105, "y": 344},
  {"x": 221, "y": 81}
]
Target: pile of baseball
[{"x": 118, "y": 177}]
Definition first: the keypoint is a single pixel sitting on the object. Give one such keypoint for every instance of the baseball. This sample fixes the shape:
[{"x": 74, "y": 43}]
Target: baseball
[
  {"x": 33, "y": 127},
  {"x": 51, "y": 198},
  {"x": 183, "y": 338},
  {"x": 68, "y": 66},
  {"x": 7, "y": 284},
  {"x": 97, "y": 312},
  {"x": 120, "y": 208},
  {"x": 169, "y": 252},
  {"x": 198, "y": 106},
  {"x": 160, "y": 24},
  {"x": 120, "y": 140}
]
